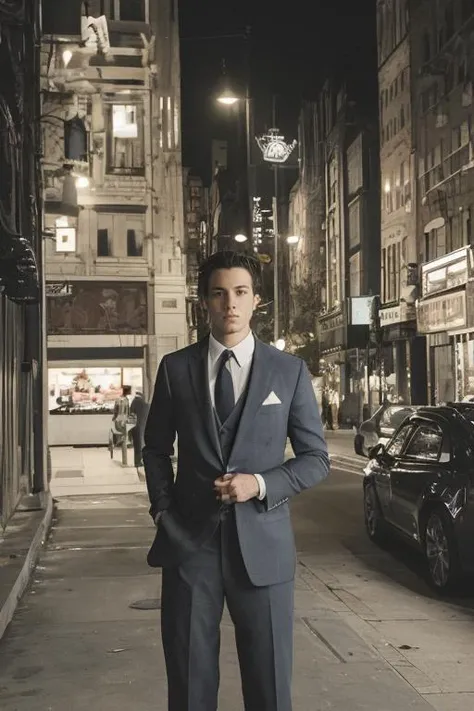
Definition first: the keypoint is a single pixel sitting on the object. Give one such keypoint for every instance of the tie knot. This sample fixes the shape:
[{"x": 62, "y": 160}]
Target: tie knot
[{"x": 227, "y": 355}]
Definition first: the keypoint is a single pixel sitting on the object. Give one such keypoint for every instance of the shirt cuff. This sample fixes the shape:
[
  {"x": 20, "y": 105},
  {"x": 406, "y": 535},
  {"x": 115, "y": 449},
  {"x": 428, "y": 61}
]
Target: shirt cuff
[{"x": 262, "y": 487}]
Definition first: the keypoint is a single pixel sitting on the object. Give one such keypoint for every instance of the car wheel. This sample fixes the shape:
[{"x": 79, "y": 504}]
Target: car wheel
[
  {"x": 373, "y": 518},
  {"x": 441, "y": 552}
]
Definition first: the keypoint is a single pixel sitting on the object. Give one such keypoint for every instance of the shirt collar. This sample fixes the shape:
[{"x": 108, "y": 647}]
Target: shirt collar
[{"x": 243, "y": 351}]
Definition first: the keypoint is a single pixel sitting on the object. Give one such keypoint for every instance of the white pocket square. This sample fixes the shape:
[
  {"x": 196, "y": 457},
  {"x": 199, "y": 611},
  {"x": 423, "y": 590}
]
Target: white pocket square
[{"x": 272, "y": 399}]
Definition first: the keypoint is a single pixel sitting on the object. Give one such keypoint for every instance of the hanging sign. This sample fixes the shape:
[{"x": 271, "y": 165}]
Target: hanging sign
[{"x": 274, "y": 147}]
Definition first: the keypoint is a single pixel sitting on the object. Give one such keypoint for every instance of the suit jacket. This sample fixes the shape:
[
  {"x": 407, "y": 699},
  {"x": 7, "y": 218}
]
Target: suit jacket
[{"x": 181, "y": 406}]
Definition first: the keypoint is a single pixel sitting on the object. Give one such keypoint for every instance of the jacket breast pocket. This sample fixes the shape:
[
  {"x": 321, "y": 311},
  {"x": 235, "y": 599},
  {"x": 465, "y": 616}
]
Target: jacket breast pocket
[{"x": 277, "y": 514}]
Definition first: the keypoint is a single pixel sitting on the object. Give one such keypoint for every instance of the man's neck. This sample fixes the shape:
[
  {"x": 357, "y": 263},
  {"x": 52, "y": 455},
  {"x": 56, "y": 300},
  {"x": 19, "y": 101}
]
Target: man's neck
[{"x": 232, "y": 340}]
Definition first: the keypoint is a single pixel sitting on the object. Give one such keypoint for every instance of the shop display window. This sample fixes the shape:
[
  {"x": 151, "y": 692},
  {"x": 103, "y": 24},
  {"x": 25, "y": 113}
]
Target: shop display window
[{"x": 89, "y": 390}]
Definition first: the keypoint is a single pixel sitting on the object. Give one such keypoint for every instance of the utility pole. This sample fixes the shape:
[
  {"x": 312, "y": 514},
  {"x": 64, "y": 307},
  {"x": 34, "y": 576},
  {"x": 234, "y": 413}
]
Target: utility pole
[{"x": 276, "y": 285}]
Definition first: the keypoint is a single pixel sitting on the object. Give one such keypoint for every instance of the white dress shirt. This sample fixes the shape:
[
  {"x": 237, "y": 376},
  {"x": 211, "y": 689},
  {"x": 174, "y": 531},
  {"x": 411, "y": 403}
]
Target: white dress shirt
[{"x": 239, "y": 366}]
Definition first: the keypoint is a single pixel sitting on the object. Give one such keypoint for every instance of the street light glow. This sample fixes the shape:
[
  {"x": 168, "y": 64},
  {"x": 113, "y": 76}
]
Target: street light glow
[
  {"x": 228, "y": 98},
  {"x": 293, "y": 239},
  {"x": 67, "y": 56},
  {"x": 240, "y": 238},
  {"x": 82, "y": 182},
  {"x": 280, "y": 344}
]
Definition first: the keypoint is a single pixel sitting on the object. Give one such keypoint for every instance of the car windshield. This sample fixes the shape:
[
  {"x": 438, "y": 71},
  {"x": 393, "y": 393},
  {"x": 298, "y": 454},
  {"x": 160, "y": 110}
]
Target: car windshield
[{"x": 395, "y": 415}]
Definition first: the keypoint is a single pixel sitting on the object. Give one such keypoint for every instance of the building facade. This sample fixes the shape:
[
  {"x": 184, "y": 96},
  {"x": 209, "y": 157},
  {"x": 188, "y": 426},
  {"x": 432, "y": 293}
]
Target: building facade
[
  {"x": 196, "y": 247},
  {"x": 22, "y": 450},
  {"x": 403, "y": 351},
  {"x": 352, "y": 246},
  {"x": 442, "y": 71},
  {"x": 113, "y": 189}
]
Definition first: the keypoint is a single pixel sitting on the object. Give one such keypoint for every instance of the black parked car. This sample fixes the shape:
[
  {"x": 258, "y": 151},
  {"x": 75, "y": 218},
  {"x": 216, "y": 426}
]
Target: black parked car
[
  {"x": 421, "y": 486},
  {"x": 380, "y": 427}
]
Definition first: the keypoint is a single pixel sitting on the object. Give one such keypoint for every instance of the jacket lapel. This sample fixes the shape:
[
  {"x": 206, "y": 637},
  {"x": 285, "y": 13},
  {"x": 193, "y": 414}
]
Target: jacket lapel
[
  {"x": 257, "y": 391},
  {"x": 198, "y": 369}
]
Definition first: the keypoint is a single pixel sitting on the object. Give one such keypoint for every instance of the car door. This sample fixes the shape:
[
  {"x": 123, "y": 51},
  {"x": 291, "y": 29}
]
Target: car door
[
  {"x": 423, "y": 461},
  {"x": 383, "y": 465}
]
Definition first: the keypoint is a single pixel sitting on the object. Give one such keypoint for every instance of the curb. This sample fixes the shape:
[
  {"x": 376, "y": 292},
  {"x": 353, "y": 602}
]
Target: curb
[{"x": 21, "y": 583}]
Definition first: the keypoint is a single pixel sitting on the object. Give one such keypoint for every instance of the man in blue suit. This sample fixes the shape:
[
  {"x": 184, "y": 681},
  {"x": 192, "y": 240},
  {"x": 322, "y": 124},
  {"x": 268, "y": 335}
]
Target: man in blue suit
[{"x": 224, "y": 531}]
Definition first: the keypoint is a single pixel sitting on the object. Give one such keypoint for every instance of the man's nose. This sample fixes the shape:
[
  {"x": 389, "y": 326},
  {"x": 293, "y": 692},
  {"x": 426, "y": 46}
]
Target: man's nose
[{"x": 230, "y": 301}]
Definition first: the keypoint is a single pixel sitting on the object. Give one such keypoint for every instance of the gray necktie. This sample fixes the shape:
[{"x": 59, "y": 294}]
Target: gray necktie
[{"x": 224, "y": 389}]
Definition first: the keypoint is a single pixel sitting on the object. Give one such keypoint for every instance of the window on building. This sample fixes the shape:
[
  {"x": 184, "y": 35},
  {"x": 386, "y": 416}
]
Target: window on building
[
  {"x": 128, "y": 10},
  {"x": 354, "y": 275},
  {"x": 354, "y": 224},
  {"x": 125, "y": 149},
  {"x": 103, "y": 243},
  {"x": 134, "y": 244},
  {"x": 384, "y": 275},
  {"x": 354, "y": 166},
  {"x": 402, "y": 117},
  {"x": 120, "y": 235},
  {"x": 75, "y": 140}
]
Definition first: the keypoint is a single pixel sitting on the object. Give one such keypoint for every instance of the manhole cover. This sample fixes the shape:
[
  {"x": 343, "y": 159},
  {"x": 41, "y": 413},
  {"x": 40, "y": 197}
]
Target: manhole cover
[
  {"x": 151, "y": 604},
  {"x": 69, "y": 474}
]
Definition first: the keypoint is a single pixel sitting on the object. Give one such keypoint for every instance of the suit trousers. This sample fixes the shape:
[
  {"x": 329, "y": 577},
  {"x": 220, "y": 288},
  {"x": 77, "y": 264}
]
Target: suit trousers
[{"x": 193, "y": 596}]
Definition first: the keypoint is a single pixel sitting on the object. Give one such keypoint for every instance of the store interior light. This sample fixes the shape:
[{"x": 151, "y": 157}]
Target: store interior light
[{"x": 82, "y": 181}]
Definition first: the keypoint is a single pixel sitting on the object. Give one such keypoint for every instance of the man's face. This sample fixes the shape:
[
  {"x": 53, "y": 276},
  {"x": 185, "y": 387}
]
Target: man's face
[{"x": 230, "y": 301}]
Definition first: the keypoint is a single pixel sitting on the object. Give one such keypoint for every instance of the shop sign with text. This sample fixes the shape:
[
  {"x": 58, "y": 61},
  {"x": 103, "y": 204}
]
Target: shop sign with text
[{"x": 442, "y": 313}]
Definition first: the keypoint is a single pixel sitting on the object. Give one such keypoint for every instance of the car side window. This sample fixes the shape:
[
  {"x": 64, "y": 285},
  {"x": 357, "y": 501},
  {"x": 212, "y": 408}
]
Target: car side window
[
  {"x": 426, "y": 443},
  {"x": 399, "y": 440}
]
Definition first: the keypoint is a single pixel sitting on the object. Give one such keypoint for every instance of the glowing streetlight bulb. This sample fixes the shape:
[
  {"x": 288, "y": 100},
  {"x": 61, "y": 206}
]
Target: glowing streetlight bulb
[
  {"x": 280, "y": 344},
  {"x": 228, "y": 98},
  {"x": 240, "y": 238},
  {"x": 67, "y": 56},
  {"x": 82, "y": 182}
]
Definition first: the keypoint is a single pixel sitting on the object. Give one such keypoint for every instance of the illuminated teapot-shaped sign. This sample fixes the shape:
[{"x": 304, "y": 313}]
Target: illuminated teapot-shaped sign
[{"x": 274, "y": 147}]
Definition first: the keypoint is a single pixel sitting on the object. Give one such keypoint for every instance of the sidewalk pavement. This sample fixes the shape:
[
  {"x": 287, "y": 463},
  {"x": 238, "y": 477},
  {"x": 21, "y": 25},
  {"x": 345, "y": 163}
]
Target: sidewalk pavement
[
  {"x": 77, "y": 643},
  {"x": 79, "y": 472}
]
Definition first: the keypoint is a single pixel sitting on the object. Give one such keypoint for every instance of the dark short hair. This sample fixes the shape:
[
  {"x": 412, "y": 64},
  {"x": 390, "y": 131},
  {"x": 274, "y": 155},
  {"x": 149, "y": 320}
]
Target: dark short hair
[
  {"x": 227, "y": 259},
  {"x": 127, "y": 389}
]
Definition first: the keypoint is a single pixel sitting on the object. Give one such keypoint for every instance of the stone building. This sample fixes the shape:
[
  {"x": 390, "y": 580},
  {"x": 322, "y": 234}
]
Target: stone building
[
  {"x": 113, "y": 192},
  {"x": 441, "y": 36},
  {"x": 22, "y": 450},
  {"x": 403, "y": 353}
]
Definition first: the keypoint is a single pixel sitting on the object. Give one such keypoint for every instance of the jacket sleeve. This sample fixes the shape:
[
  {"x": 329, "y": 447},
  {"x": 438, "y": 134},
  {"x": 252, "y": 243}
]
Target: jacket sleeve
[
  {"x": 310, "y": 464},
  {"x": 160, "y": 434}
]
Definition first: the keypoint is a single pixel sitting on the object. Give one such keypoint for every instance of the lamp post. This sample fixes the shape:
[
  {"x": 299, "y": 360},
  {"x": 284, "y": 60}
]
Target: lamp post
[{"x": 227, "y": 97}]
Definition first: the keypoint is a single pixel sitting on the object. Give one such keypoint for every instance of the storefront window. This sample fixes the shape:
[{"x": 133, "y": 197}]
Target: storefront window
[
  {"x": 466, "y": 348},
  {"x": 89, "y": 390},
  {"x": 443, "y": 374}
]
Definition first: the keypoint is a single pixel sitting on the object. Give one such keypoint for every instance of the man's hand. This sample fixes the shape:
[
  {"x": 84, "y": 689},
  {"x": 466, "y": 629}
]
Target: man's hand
[{"x": 236, "y": 488}]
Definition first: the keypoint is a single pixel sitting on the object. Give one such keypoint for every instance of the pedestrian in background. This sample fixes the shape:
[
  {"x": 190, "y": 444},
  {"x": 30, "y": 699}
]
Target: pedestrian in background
[{"x": 139, "y": 409}]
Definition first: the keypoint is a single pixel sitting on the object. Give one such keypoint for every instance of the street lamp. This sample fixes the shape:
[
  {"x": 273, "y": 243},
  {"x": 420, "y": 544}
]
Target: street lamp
[
  {"x": 228, "y": 97},
  {"x": 280, "y": 344},
  {"x": 240, "y": 238}
]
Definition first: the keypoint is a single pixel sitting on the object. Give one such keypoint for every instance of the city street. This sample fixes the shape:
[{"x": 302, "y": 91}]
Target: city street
[{"x": 367, "y": 626}]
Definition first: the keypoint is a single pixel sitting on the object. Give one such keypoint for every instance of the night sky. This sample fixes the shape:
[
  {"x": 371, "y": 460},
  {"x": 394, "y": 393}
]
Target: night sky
[{"x": 292, "y": 51}]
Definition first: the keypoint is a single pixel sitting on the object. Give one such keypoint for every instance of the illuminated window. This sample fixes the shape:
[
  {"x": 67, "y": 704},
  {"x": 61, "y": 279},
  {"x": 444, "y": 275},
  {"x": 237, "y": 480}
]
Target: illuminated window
[{"x": 125, "y": 139}]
